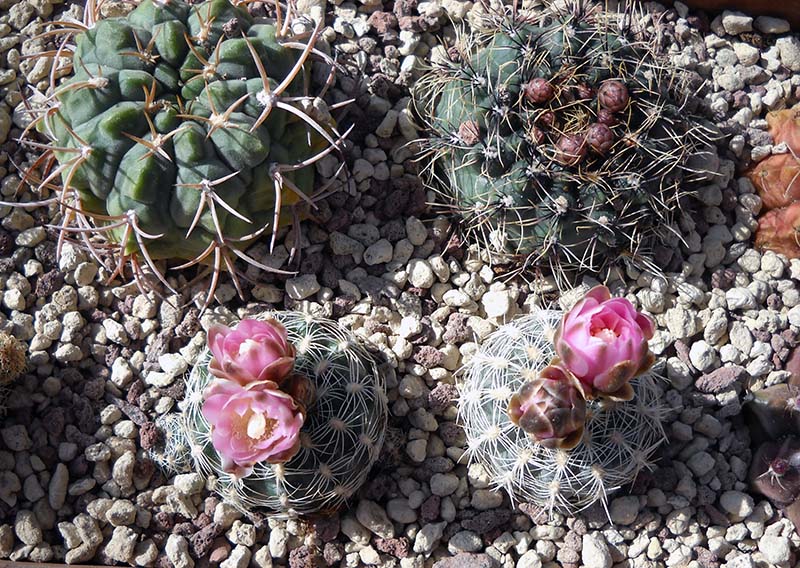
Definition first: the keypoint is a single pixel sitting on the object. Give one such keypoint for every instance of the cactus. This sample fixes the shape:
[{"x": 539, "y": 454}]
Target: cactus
[
  {"x": 339, "y": 442},
  {"x": 618, "y": 441},
  {"x": 172, "y": 452},
  {"x": 186, "y": 131},
  {"x": 777, "y": 181},
  {"x": 560, "y": 137},
  {"x": 13, "y": 358}
]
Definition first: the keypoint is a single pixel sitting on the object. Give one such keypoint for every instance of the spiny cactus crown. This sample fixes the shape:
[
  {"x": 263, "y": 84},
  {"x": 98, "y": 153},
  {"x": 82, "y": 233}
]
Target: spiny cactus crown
[
  {"x": 340, "y": 439},
  {"x": 618, "y": 441},
  {"x": 559, "y": 135},
  {"x": 185, "y": 132}
]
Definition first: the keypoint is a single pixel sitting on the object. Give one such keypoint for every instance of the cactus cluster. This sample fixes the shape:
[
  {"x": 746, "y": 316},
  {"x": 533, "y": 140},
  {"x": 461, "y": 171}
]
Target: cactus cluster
[
  {"x": 339, "y": 442},
  {"x": 617, "y": 441},
  {"x": 560, "y": 135},
  {"x": 185, "y": 131},
  {"x": 773, "y": 417},
  {"x": 13, "y": 358},
  {"x": 777, "y": 181}
]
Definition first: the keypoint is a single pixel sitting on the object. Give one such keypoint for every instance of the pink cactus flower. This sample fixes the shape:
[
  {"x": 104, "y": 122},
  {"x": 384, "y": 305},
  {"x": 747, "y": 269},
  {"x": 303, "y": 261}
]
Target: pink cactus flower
[
  {"x": 251, "y": 424},
  {"x": 603, "y": 342},
  {"x": 253, "y": 351}
]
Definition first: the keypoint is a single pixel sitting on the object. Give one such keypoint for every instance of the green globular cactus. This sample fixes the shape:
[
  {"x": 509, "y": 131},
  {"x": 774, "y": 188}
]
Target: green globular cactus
[
  {"x": 618, "y": 441},
  {"x": 340, "y": 440},
  {"x": 559, "y": 135},
  {"x": 186, "y": 131}
]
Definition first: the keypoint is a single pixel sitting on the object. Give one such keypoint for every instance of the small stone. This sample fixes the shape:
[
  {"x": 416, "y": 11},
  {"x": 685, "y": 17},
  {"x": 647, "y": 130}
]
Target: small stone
[
  {"x": 378, "y": 253},
  {"x": 738, "y": 505},
  {"x": 122, "y": 544},
  {"x": 416, "y": 232},
  {"x": 464, "y": 541},
  {"x": 776, "y": 549},
  {"x": 302, "y": 287},
  {"x": 428, "y": 536},
  {"x": 443, "y": 484},
  {"x": 530, "y": 559},
  {"x": 399, "y": 510},
  {"x": 496, "y": 304},
  {"x": 736, "y": 23},
  {"x": 420, "y": 273},
  {"x": 701, "y": 463},
  {"x": 27, "y": 528},
  {"x": 57, "y": 490},
  {"x": 595, "y": 553},
  {"x": 177, "y": 550},
  {"x": 702, "y": 355},
  {"x": 121, "y": 513},
  {"x": 374, "y": 518},
  {"x": 789, "y": 49},
  {"x": 189, "y": 483},
  {"x": 239, "y": 557},
  {"x": 740, "y": 299},
  {"x": 624, "y": 510},
  {"x": 16, "y": 438},
  {"x": 770, "y": 25}
]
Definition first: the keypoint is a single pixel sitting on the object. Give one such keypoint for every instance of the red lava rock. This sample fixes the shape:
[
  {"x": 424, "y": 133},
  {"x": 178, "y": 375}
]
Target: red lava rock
[
  {"x": 456, "y": 330},
  {"x": 721, "y": 379},
  {"x": 203, "y": 540},
  {"x": 487, "y": 521},
  {"x": 148, "y": 435},
  {"x": 442, "y": 396},
  {"x": 397, "y": 547},
  {"x": 429, "y": 510},
  {"x": 303, "y": 557},
  {"x": 332, "y": 553},
  {"x": 382, "y": 21},
  {"x": 428, "y": 356}
]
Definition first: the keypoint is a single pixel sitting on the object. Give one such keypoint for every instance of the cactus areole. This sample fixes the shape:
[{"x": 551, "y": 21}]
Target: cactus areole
[
  {"x": 577, "y": 135},
  {"x": 185, "y": 132}
]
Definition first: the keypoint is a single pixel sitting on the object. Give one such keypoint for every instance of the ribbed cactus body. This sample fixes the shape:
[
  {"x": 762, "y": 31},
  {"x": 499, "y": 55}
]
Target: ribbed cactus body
[
  {"x": 618, "y": 441},
  {"x": 185, "y": 129},
  {"x": 560, "y": 136},
  {"x": 340, "y": 439}
]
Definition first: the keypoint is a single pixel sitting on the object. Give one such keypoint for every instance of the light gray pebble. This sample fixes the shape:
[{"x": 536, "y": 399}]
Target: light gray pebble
[
  {"x": 427, "y": 537},
  {"x": 177, "y": 550},
  {"x": 416, "y": 232},
  {"x": 443, "y": 484},
  {"x": 776, "y": 549},
  {"x": 303, "y": 286},
  {"x": 27, "y": 529},
  {"x": 399, "y": 510},
  {"x": 378, "y": 253},
  {"x": 770, "y": 25},
  {"x": 122, "y": 544},
  {"x": 595, "y": 552},
  {"x": 239, "y": 557},
  {"x": 57, "y": 490},
  {"x": 464, "y": 541},
  {"x": 373, "y": 517},
  {"x": 738, "y": 505}
]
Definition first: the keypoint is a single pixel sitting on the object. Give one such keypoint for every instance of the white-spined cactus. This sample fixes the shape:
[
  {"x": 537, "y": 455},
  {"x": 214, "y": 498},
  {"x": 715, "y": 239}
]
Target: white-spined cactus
[
  {"x": 618, "y": 441},
  {"x": 339, "y": 442}
]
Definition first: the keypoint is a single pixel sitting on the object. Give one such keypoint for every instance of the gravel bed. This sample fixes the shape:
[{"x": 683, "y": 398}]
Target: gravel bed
[{"x": 77, "y": 481}]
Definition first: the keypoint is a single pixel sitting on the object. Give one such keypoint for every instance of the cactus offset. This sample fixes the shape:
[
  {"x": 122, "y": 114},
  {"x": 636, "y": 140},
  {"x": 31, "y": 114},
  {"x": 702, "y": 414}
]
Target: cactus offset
[
  {"x": 561, "y": 137},
  {"x": 339, "y": 441},
  {"x": 13, "y": 358},
  {"x": 619, "y": 438},
  {"x": 185, "y": 132}
]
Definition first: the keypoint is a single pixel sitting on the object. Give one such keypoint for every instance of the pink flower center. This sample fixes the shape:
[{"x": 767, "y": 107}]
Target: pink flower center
[
  {"x": 253, "y": 425},
  {"x": 247, "y": 346}
]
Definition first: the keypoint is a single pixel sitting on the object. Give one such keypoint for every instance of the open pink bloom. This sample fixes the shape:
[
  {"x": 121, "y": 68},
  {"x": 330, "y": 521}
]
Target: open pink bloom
[
  {"x": 251, "y": 424},
  {"x": 253, "y": 351},
  {"x": 603, "y": 342}
]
